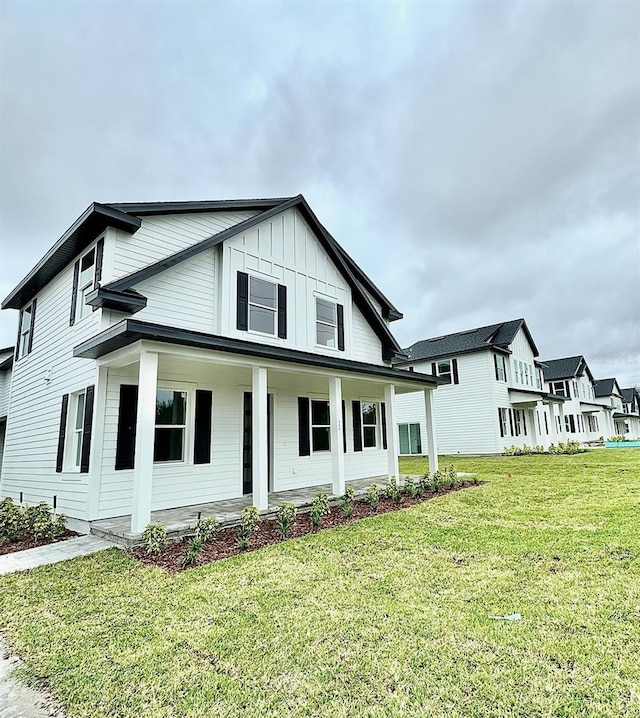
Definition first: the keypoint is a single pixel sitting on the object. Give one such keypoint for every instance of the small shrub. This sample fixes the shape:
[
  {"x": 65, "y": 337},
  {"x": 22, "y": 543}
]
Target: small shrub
[
  {"x": 155, "y": 538},
  {"x": 474, "y": 480},
  {"x": 194, "y": 547},
  {"x": 248, "y": 526},
  {"x": 346, "y": 502},
  {"x": 450, "y": 477},
  {"x": 39, "y": 522},
  {"x": 437, "y": 482},
  {"x": 410, "y": 488},
  {"x": 391, "y": 490},
  {"x": 206, "y": 529},
  {"x": 12, "y": 526},
  {"x": 319, "y": 509},
  {"x": 285, "y": 518},
  {"x": 372, "y": 497},
  {"x": 425, "y": 485},
  {"x": 618, "y": 438}
]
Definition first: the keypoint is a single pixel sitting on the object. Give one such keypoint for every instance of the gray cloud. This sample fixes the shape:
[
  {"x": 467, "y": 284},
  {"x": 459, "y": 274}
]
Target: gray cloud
[{"x": 480, "y": 159}]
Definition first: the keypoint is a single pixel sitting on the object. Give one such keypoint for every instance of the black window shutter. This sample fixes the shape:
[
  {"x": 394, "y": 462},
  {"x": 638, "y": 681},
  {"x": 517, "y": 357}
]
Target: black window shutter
[
  {"x": 383, "y": 408},
  {"x": 127, "y": 414},
  {"x": 433, "y": 369},
  {"x": 33, "y": 322},
  {"x": 357, "y": 425},
  {"x": 282, "y": 311},
  {"x": 454, "y": 367},
  {"x": 202, "y": 433},
  {"x": 19, "y": 333},
  {"x": 62, "y": 432},
  {"x": 74, "y": 292},
  {"x": 304, "y": 439},
  {"x": 344, "y": 426},
  {"x": 524, "y": 422},
  {"x": 511, "y": 422},
  {"x": 242, "y": 301},
  {"x": 500, "y": 422},
  {"x": 86, "y": 431},
  {"x": 340, "y": 314}
]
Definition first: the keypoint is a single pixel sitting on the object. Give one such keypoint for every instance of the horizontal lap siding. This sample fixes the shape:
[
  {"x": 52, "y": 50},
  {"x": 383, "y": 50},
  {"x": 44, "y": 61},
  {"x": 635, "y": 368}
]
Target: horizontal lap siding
[
  {"x": 5, "y": 386},
  {"x": 183, "y": 296},
  {"x": 32, "y": 429},
  {"x": 163, "y": 235}
]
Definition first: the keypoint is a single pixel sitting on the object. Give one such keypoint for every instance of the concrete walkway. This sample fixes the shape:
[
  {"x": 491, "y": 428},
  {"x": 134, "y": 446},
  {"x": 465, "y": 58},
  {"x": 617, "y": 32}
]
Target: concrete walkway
[{"x": 52, "y": 553}]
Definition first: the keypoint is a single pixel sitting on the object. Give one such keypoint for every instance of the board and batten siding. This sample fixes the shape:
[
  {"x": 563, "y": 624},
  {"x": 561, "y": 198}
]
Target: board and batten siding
[
  {"x": 463, "y": 413},
  {"x": 163, "y": 235},
  {"x": 285, "y": 250},
  {"x": 39, "y": 381}
]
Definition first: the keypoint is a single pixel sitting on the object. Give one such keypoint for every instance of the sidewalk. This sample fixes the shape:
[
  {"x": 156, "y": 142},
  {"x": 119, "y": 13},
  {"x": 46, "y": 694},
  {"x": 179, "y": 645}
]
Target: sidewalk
[{"x": 52, "y": 553}]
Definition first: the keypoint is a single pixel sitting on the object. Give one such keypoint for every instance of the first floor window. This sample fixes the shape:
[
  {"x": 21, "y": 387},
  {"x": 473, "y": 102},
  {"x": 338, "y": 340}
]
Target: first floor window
[
  {"x": 409, "y": 435},
  {"x": 369, "y": 424},
  {"x": 520, "y": 423},
  {"x": 570, "y": 424},
  {"x": 320, "y": 426},
  {"x": 171, "y": 418},
  {"x": 503, "y": 417},
  {"x": 78, "y": 428}
]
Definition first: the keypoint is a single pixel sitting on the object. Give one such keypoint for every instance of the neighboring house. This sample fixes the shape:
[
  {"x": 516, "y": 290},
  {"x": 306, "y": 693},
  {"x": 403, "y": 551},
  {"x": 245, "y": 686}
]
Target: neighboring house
[
  {"x": 631, "y": 411},
  {"x": 493, "y": 394},
  {"x": 177, "y": 353},
  {"x": 6, "y": 365},
  {"x": 586, "y": 419},
  {"x": 609, "y": 393}
]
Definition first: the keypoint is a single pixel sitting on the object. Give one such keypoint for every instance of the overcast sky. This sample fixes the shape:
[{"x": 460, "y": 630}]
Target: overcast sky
[{"x": 480, "y": 159}]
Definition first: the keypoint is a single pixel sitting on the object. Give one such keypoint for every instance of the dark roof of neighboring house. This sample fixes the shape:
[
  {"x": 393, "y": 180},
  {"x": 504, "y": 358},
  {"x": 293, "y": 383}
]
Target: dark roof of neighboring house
[
  {"x": 494, "y": 336},
  {"x": 565, "y": 368},
  {"x": 605, "y": 387},
  {"x": 126, "y": 216},
  {"x": 627, "y": 394},
  {"x": 6, "y": 358},
  {"x": 129, "y": 331}
]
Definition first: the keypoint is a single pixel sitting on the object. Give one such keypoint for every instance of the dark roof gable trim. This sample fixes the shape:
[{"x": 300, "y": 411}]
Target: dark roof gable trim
[
  {"x": 129, "y": 331},
  {"x": 128, "y": 300},
  {"x": 94, "y": 220}
]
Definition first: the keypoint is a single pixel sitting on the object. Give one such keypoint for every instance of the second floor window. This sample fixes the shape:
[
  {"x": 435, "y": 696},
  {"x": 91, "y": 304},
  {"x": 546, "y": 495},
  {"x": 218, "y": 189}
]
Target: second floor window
[
  {"x": 446, "y": 369},
  {"x": 501, "y": 372},
  {"x": 25, "y": 334},
  {"x": 85, "y": 283},
  {"x": 326, "y": 323},
  {"x": 262, "y": 305}
]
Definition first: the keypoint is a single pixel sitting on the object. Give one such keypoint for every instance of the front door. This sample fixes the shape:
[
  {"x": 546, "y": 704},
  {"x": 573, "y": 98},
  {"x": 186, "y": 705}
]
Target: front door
[{"x": 247, "y": 441}]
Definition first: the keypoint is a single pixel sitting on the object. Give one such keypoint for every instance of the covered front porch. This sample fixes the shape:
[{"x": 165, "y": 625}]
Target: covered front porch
[
  {"x": 550, "y": 429},
  {"x": 240, "y": 424}
]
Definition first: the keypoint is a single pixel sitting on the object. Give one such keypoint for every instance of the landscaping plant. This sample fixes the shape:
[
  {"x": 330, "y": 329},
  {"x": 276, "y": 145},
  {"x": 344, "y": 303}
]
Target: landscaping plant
[
  {"x": 410, "y": 488},
  {"x": 194, "y": 547},
  {"x": 372, "y": 497},
  {"x": 207, "y": 528},
  {"x": 285, "y": 518},
  {"x": 391, "y": 490},
  {"x": 346, "y": 502},
  {"x": 11, "y": 521},
  {"x": 154, "y": 537},
  {"x": 319, "y": 509},
  {"x": 248, "y": 526},
  {"x": 37, "y": 522}
]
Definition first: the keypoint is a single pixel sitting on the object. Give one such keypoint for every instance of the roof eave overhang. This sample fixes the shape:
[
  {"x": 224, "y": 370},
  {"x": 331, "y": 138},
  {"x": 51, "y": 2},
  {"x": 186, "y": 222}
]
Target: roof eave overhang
[
  {"x": 129, "y": 331},
  {"x": 94, "y": 220},
  {"x": 445, "y": 355},
  {"x": 129, "y": 302}
]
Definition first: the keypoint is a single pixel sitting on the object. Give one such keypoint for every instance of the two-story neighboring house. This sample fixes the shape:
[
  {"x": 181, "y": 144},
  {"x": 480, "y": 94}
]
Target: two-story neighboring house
[
  {"x": 171, "y": 354},
  {"x": 493, "y": 396},
  {"x": 586, "y": 418},
  {"x": 6, "y": 366},
  {"x": 631, "y": 411}
]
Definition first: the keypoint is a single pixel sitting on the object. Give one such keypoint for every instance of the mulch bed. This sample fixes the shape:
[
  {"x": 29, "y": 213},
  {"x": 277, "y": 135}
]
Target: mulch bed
[
  {"x": 224, "y": 544},
  {"x": 6, "y": 547}
]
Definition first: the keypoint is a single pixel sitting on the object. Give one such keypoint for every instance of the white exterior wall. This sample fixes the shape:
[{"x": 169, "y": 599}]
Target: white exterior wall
[
  {"x": 33, "y": 425},
  {"x": 465, "y": 413},
  {"x": 285, "y": 250},
  {"x": 161, "y": 236}
]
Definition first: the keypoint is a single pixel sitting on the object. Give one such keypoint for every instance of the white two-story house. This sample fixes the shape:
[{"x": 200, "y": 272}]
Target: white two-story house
[
  {"x": 586, "y": 418},
  {"x": 608, "y": 392},
  {"x": 493, "y": 394},
  {"x": 6, "y": 366},
  {"x": 171, "y": 354},
  {"x": 631, "y": 411}
]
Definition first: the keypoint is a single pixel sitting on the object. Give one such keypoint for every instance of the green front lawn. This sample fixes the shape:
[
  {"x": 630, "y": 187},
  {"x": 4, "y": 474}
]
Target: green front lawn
[{"x": 387, "y": 617}]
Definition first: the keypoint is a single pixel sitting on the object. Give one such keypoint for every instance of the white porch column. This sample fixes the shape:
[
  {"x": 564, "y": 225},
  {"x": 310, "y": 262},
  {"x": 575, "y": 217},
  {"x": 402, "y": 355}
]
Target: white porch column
[
  {"x": 336, "y": 436},
  {"x": 260, "y": 450},
  {"x": 553, "y": 428},
  {"x": 431, "y": 430},
  {"x": 145, "y": 433},
  {"x": 97, "y": 441},
  {"x": 392, "y": 434}
]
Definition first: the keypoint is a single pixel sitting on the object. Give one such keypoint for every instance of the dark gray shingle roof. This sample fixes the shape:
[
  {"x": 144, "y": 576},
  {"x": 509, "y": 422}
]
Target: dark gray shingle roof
[
  {"x": 604, "y": 387},
  {"x": 492, "y": 336},
  {"x": 627, "y": 394},
  {"x": 565, "y": 368}
]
